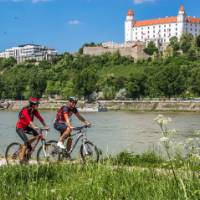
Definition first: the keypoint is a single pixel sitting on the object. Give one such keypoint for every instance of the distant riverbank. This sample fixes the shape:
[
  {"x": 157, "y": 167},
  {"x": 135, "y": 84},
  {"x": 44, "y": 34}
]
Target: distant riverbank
[{"x": 168, "y": 105}]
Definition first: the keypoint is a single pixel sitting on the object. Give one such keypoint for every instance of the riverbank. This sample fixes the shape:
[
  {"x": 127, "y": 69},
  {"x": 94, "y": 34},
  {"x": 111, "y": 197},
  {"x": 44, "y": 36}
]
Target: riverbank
[{"x": 179, "y": 106}]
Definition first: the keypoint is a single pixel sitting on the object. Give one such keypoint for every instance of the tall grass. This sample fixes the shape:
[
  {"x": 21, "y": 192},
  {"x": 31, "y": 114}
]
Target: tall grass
[{"x": 102, "y": 181}]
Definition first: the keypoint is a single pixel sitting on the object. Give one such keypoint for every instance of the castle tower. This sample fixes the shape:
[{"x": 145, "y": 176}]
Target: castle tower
[
  {"x": 128, "y": 26},
  {"x": 181, "y": 18}
]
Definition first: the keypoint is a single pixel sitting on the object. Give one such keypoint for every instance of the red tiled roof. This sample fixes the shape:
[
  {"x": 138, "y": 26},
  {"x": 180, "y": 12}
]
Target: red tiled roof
[
  {"x": 192, "y": 20},
  {"x": 182, "y": 8},
  {"x": 130, "y": 13},
  {"x": 165, "y": 20}
]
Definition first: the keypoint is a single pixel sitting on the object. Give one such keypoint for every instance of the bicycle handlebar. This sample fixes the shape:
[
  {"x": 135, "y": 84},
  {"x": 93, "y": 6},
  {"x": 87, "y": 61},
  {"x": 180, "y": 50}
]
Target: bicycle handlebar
[
  {"x": 44, "y": 129},
  {"x": 78, "y": 128}
]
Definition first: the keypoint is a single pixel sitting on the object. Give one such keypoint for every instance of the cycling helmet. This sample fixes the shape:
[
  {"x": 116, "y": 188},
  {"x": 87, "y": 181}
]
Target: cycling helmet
[
  {"x": 34, "y": 101},
  {"x": 73, "y": 99}
]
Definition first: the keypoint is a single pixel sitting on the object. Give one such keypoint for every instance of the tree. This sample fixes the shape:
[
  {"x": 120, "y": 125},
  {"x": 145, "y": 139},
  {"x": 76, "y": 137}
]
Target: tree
[
  {"x": 174, "y": 43},
  {"x": 37, "y": 84},
  {"x": 170, "y": 82},
  {"x": 136, "y": 85},
  {"x": 151, "y": 48},
  {"x": 195, "y": 81},
  {"x": 198, "y": 41},
  {"x": 85, "y": 82},
  {"x": 186, "y": 41}
]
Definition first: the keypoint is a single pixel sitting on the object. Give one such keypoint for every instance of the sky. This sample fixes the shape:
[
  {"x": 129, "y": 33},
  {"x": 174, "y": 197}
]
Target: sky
[{"x": 68, "y": 24}]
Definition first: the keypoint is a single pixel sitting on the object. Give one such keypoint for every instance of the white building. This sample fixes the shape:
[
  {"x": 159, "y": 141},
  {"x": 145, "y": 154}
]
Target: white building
[
  {"x": 29, "y": 52},
  {"x": 162, "y": 29}
]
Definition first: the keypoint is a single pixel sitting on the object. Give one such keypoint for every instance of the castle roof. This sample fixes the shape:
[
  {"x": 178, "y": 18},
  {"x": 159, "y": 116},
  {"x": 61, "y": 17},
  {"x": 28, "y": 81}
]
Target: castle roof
[
  {"x": 130, "y": 13},
  {"x": 166, "y": 20},
  {"x": 182, "y": 8},
  {"x": 193, "y": 20},
  {"x": 150, "y": 22}
]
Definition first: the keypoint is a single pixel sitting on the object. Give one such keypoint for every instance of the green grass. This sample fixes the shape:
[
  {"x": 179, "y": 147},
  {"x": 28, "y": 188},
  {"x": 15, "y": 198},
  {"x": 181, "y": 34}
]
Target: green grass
[{"x": 114, "y": 178}]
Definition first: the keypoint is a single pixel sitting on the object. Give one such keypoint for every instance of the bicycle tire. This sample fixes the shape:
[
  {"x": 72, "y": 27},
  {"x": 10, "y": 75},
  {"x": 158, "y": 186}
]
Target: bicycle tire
[
  {"x": 13, "y": 157},
  {"x": 92, "y": 150},
  {"x": 61, "y": 153},
  {"x": 50, "y": 155}
]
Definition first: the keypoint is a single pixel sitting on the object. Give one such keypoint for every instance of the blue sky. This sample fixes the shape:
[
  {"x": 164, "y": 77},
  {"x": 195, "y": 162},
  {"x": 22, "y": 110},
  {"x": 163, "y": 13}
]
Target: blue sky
[{"x": 67, "y": 24}]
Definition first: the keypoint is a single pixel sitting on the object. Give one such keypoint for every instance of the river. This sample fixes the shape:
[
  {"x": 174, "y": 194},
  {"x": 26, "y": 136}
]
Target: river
[{"x": 112, "y": 131}]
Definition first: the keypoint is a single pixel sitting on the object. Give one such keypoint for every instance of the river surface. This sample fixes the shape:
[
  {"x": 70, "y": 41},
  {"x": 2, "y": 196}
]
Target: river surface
[{"x": 112, "y": 132}]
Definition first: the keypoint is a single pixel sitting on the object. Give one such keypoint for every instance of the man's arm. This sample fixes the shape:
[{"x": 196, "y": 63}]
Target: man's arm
[
  {"x": 67, "y": 120},
  {"x": 81, "y": 118},
  {"x": 37, "y": 114},
  {"x": 28, "y": 119}
]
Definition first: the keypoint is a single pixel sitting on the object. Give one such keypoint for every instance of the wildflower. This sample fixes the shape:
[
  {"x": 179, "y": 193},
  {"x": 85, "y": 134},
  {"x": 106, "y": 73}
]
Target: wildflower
[
  {"x": 189, "y": 140},
  {"x": 53, "y": 190},
  {"x": 164, "y": 139}
]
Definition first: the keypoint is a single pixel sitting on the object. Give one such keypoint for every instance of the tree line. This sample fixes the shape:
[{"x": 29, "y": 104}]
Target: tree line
[{"x": 173, "y": 73}]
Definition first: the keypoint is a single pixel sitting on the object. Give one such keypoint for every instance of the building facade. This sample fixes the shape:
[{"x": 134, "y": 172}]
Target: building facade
[
  {"x": 162, "y": 29},
  {"x": 29, "y": 52}
]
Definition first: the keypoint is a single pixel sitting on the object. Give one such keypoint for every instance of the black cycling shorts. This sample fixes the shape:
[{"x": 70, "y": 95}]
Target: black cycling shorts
[
  {"x": 60, "y": 126},
  {"x": 23, "y": 131}
]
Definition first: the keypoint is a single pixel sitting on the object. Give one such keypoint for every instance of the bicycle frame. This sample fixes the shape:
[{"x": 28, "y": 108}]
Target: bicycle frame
[
  {"x": 81, "y": 134},
  {"x": 41, "y": 138}
]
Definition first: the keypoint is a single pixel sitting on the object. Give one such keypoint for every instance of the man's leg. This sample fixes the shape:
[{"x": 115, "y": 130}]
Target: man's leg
[
  {"x": 65, "y": 135},
  {"x": 33, "y": 132},
  {"x": 23, "y": 136}
]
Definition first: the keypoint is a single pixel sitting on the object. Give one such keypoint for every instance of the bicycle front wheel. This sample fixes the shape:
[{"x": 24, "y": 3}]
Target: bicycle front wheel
[
  {"x": 89, "y": 152},
  {"x": 47, "y": 153},
  {"x": 12, "y": 153}
]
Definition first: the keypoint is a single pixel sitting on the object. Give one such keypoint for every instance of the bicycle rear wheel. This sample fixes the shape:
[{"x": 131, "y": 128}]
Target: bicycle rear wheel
[
  {"x": 89, "y": 152},
  {"x": 48, "y": 153},
  {"x": 12, "y": 153}
]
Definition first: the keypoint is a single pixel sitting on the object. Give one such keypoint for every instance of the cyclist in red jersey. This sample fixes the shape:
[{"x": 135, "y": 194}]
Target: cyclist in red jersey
[
  {"x": 63, "y": 123},
  {"x": 25, "y": 123}
]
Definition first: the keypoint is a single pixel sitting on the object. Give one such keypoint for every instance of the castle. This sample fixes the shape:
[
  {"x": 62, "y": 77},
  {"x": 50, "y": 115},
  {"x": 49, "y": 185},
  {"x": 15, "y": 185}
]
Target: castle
[{"x": 162, "y": 29}]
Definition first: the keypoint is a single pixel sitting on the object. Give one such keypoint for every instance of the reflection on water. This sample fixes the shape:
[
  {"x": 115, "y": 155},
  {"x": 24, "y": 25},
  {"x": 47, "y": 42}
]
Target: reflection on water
[{"x": 112, "y": 131}]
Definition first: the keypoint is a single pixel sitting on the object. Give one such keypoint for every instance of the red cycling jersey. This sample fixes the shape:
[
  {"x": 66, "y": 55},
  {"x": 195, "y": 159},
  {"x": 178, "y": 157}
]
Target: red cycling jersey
[{"x": 26, "y": 115}]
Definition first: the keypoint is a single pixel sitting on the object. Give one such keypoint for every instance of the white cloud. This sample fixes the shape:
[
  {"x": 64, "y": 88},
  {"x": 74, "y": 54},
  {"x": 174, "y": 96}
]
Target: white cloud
[
  {"x": 74, "y": 22},
  {"x": 142, "y": 1}
]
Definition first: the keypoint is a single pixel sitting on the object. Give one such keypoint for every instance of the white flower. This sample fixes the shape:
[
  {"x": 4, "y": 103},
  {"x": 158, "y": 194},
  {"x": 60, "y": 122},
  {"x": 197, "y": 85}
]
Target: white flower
[
  {"x": 164, "y": 139},
  {"x": 197, "y": 133},
  {"x": 189, "y": 140}
]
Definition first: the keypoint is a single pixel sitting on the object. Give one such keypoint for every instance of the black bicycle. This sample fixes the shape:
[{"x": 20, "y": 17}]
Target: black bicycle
[
  {"x": 88, "y": 151},
  {"x": 44, "y": 153}
]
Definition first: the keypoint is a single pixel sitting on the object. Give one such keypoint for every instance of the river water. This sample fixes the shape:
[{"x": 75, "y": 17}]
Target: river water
[{"x": 112, "y": 131}]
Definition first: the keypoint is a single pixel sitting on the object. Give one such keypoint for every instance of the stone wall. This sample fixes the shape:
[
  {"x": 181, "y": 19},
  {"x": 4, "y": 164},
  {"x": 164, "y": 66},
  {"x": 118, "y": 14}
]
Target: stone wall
[
  {"x": 119, "y": 105},
  {"x": 135, "y": 51}
]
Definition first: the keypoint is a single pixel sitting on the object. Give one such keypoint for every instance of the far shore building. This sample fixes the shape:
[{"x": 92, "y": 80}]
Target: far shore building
[
  {"x": 29, "y": 52},
  {"x": 160, "y": 30}
]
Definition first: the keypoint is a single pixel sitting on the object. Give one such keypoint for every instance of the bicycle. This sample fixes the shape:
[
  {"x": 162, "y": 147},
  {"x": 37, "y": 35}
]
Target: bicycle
[
  {"x": 44, "y": 152},
  {"x": 88, "y": 151}
]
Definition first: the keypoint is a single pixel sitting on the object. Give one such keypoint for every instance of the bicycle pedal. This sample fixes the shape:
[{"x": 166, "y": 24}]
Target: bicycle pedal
[{"x": 14, "y": 156}]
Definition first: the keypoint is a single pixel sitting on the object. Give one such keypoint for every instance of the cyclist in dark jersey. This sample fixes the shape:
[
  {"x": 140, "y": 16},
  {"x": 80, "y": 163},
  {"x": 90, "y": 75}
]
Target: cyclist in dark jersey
[
  {"x": 25, "y": 123},
  {"x": 63, "y": 124}
]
